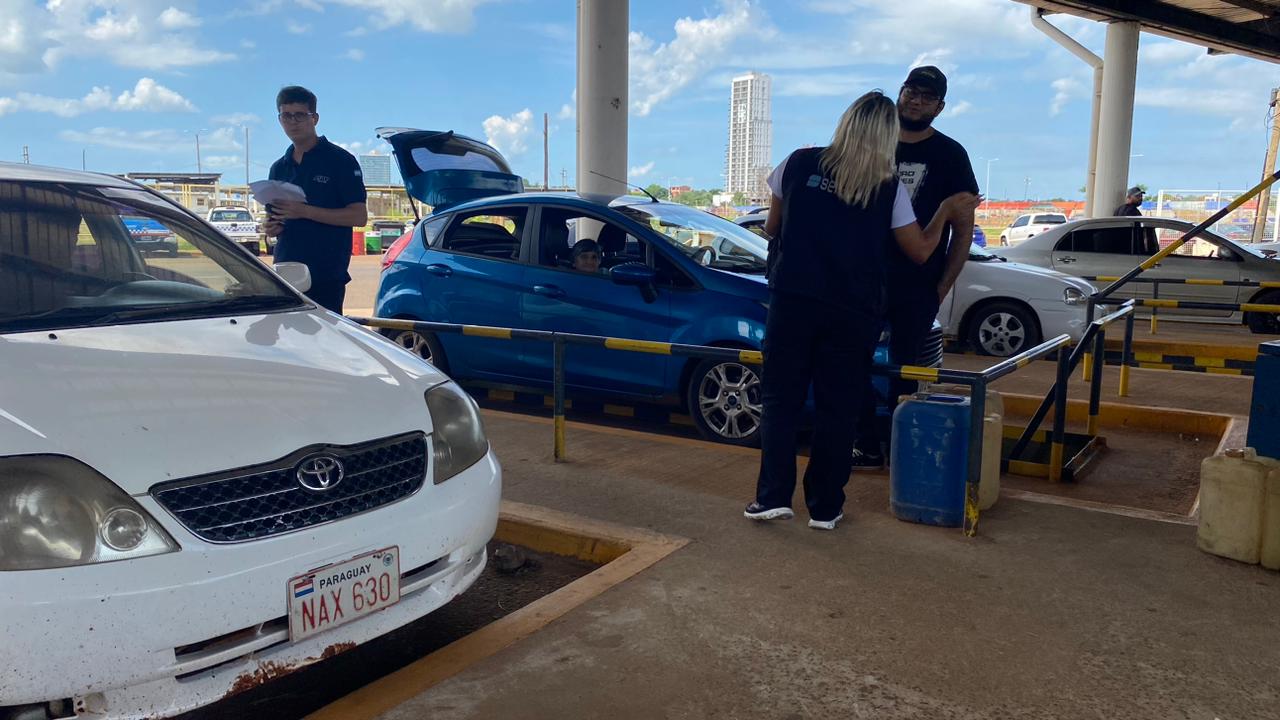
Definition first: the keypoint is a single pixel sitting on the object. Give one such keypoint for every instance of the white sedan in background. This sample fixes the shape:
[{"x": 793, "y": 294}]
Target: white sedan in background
[{"x": 999, "y": 307}]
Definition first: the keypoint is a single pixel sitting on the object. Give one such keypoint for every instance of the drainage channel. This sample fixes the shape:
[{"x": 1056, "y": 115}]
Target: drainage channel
[{"x": 516, "y": 575}]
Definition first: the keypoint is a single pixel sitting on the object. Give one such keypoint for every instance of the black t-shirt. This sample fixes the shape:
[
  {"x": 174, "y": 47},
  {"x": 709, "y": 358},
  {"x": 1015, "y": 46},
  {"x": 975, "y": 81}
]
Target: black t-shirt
[
  {"x": 331, "y": 178},
  {"x": 1128, "y": 209},
  {"x": 933, "y": 170},
  {"x": 827, "y": 249}
]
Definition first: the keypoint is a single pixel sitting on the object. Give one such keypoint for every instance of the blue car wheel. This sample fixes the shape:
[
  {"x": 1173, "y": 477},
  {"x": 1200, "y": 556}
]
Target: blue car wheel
[{"x": 724, "y": 399}]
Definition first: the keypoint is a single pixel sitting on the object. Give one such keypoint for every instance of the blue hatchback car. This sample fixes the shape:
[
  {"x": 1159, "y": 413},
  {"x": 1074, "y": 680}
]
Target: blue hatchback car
[{"x": 492, "y": 255}]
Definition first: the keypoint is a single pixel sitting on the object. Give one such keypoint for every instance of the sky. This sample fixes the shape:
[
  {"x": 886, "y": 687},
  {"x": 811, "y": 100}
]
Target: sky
[{"x": 128, "y": 85}]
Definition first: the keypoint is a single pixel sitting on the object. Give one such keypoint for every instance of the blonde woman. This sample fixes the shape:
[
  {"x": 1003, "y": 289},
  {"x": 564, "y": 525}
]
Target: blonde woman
[{"x": 834, "y": 211}]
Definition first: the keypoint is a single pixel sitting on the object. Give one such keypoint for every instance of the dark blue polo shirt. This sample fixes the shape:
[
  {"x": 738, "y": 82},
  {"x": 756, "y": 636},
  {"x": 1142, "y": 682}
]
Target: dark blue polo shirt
[{"x": 331, "y": 178}]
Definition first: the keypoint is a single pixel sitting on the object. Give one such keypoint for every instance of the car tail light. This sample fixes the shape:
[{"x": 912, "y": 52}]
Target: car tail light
[{"x": 396, "y": 248}]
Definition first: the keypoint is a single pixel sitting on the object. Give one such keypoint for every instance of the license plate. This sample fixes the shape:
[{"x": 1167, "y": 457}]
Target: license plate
[{"x": 336, "y": 594}]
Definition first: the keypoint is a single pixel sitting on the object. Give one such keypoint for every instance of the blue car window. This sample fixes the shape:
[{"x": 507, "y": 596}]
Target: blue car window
[{"x": 492, "y": 233}]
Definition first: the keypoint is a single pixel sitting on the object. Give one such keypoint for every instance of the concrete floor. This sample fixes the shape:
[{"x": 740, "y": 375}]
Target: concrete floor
[{"x": 1052, "y": 612}]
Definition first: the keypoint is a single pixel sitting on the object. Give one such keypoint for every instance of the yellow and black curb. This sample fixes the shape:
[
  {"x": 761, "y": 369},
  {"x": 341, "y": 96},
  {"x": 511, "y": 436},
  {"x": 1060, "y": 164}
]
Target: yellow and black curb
[
  {"x": 1185, "y": 357},
  {"x": 622, "y": 552}
]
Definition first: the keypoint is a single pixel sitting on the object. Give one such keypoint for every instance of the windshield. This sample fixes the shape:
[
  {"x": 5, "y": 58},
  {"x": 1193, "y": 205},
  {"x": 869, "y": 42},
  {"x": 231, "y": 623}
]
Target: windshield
[
  {"x": 710, "y": 239},
  {"x": 230, "y": 216},
  {"x": 1049, "y": 220},
  {"x": 76, "y": 256}
]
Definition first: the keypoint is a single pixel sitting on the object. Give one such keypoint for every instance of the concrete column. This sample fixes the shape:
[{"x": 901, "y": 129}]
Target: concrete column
[
  {"x": 602, "y": 95},
  {"x": 1115, "y": 126}
]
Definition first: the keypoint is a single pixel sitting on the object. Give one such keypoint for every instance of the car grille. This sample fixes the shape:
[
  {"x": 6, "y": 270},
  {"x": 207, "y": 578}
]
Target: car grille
[{"x": 268, "y": 500}]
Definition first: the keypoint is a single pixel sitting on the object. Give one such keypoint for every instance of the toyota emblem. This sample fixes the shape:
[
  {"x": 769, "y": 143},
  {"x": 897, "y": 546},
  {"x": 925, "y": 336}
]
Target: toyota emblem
[{"x": 319, "y": 472}]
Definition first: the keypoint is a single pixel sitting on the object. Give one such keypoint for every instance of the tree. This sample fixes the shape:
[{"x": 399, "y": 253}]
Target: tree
[
  {"x": 658, "y": 191},
  {"x": 739, "y": 198}
]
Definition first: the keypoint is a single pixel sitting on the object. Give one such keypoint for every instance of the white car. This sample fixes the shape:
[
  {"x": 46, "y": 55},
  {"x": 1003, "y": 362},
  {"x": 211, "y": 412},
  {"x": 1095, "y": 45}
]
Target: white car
[
  {"x": 205, "y": 480},
  {"x": 238, "y": 224},
  {"x": 1028, "y": 226},
  {"x": 1002, "y": 308},
  {"x": 1112, "y": 246}
]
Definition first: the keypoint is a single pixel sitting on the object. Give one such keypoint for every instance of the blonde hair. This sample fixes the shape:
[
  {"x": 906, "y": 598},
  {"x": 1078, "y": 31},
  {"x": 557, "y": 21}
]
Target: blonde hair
[{"x": 860, "y": 157}]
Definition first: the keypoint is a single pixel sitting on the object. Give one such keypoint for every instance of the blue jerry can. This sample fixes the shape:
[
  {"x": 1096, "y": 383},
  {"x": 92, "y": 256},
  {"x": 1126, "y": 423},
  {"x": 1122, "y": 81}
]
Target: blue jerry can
[{"x": 929, "y": 459}]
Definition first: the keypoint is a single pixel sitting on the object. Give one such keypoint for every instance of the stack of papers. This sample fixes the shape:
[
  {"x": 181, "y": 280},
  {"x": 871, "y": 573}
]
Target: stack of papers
[{"x": 273, "y": 191}]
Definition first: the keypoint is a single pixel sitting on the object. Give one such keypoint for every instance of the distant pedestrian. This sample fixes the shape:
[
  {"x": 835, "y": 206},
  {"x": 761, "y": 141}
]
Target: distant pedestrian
[
  {"x": 1132, "y": 201},
  {"x": 316, "y": 232},
  {"x": 933, "y": 167},
  {"x": 835, "y": 213}
]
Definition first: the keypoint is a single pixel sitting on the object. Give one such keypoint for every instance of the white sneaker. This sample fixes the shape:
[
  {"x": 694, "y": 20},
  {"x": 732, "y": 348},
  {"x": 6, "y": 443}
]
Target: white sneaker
[
  {"x": 826, "y": 524},
  {"x": 756, "y": 511}
]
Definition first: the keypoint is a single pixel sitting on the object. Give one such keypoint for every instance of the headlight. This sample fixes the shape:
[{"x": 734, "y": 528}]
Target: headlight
[
  {"x": 1072, "y": 296},
  {"x": 458, "y": 438},
  {"x": 58, "y": 512}
]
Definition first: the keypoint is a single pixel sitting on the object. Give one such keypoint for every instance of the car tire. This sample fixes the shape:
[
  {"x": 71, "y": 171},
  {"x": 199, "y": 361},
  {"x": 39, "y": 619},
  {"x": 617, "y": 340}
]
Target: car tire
[
  {"x": 1003, "y": 329},
  {"x": 1264, "y": 323},
  {"x": 724, "y": 398},
  {"x": 423, "y": 344}
]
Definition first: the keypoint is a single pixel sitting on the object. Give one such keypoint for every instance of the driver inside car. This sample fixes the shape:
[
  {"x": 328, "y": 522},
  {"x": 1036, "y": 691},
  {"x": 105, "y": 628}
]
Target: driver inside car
[{"x": 586, "y": 256}]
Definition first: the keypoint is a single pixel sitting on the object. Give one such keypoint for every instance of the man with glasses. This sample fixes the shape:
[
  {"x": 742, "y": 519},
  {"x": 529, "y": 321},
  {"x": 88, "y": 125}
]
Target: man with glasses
[
  {"x": 933, "y": 167},
  {"x": 317, "y": 231}
]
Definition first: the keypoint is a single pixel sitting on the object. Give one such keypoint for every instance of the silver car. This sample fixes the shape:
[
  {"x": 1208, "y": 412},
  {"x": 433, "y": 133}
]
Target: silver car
[{"x": 1115, "y": 245}]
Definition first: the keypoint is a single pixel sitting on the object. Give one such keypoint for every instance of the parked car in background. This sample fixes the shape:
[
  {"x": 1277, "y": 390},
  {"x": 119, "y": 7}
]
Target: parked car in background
[
  {"x": 1115, "y": 245},
  {"x": 1266, "y": 250},
  {"x": 1028, "y": 226},
  {"x": 150, "y": 237},
  {"x": 669, "y": 273},
  {"x": 206, "y": 481},
  {"x": 1002, "y": 308},
  {"x": 238, "y": 224}
]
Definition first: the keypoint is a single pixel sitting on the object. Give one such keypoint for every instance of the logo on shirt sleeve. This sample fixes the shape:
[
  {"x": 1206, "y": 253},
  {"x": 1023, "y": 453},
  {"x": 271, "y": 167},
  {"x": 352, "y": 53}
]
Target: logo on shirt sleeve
[{"x": 358, "y": 172}]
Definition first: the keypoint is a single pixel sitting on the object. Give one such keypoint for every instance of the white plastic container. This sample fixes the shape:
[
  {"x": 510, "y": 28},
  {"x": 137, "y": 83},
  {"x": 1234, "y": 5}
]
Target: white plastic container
[
  {"x": 1269, "y": 554},
  {"x": 1232, "y": 492}
]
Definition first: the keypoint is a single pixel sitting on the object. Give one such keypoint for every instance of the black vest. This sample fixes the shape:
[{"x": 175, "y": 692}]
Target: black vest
[{"x": 827, "y": 249}]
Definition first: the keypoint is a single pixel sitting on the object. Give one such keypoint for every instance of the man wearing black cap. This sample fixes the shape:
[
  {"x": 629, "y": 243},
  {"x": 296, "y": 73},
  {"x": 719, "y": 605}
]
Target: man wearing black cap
[
  {"x": 933, "y": 167},
  {"x": 1132, "y": 201}
]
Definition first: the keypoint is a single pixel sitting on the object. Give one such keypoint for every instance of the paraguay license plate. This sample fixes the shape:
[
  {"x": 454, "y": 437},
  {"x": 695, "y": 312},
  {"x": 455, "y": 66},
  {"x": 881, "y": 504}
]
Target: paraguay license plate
[{"x": 336, "y": 594}]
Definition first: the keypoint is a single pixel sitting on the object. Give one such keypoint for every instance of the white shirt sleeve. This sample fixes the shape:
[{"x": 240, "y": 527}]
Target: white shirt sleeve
[
  {"x": 774, "y": 181},
  {"x": 903, "y": 215}
]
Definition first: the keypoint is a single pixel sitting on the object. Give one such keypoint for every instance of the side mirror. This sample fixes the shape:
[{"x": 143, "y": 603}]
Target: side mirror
[
  {"x": 296, "y": 274},
  {"x": 637, "y": 275}
]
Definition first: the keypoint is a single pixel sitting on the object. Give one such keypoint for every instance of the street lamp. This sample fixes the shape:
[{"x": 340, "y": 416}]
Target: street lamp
[{"x": 986, "y": 188}]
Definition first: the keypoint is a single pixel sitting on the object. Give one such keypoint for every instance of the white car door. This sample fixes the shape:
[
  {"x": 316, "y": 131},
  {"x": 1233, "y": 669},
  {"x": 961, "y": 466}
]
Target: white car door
[
  {"x": 1102, "y": 251},
  {"x": 1201, "y": 258}
]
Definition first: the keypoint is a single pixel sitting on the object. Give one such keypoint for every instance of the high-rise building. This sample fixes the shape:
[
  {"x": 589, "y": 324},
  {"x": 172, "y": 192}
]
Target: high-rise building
[
  {"x": 376, "y": 169},
  {"x": 749, "y": 157}
]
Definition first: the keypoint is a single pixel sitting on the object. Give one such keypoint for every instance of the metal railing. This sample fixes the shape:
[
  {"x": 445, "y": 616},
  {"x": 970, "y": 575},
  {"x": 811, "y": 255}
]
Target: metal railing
[
  {"x": 1155, "y": 302},
  {"x": 976, "y": 381},
  {"x": 1095, "y": 335}
]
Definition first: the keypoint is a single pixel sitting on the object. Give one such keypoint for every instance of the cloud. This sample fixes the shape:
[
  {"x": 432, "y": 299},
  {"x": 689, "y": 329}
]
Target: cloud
[
  {"x": 508, "y": 134},
  {"x": 959, "y": 108},
  {"x": 146, "y": 96},
  {"x": 659, "y": 71},
  {"x": 639, "y": 171},
  {"x": 1064, "y": 90},
  {"x": 248, "y": 44},
  {"x": 175, "y": 19},
  {"x": 223, "y": 161},
  {"x": 149, "y": 34},
  {"x": 377, "y": 146},
  {"x": 1168, "y": 52},
  {"x": 152, "y": 141},
  {"x": 1226, "y": 102},
  {"x": 569, "y": 109},
  {"x": 297, "y": 28},
  {"x": 438, "y": 16},
  {"x": 311, "y": 5},
  {"x": 354, "y": 54},
  {"x": 236, "y": 119},
  {"x": 848, "y": 85}
]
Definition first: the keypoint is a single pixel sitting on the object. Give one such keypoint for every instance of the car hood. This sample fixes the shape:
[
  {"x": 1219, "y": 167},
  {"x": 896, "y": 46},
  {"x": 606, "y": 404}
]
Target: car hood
[
  {"x": 152, "y": 402},
  {"x": 1031, "y": 280}
]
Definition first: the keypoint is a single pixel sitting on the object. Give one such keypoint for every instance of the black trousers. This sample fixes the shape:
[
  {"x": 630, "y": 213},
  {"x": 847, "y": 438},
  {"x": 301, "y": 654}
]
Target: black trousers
[
  {"x": 329, "y": 293},
  {"x": 909, "y": 317},
  {"x": 808, "y": 343}
]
